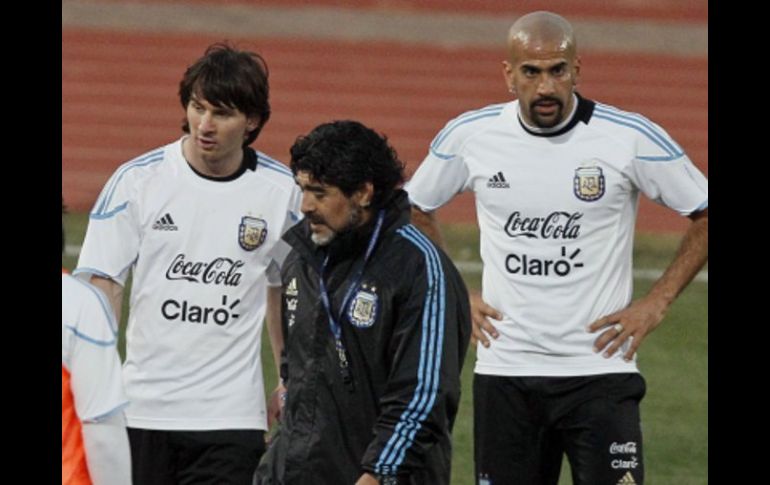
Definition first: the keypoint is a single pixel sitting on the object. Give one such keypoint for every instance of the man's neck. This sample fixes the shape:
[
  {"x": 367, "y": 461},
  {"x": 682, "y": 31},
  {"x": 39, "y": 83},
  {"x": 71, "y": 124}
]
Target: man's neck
[
  {"x": 552, "y": 129},
  {"x": 219, "y": 168},
  {"x": 366, "y": 216}
]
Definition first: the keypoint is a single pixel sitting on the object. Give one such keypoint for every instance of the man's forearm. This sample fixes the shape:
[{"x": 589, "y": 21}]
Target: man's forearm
[
  {"x": 112, "y": 290},
  {"x": 273, "y": 323},
  {"x": 690, "y": 258}
]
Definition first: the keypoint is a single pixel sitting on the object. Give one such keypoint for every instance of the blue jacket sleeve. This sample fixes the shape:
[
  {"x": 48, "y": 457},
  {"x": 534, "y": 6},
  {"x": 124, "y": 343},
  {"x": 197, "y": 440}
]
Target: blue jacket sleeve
[{"x": 428, "y": 345}]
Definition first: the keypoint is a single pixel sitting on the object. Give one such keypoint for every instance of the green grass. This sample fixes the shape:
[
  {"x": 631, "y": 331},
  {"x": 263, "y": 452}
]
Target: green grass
[{"x": 674, "y": 361}]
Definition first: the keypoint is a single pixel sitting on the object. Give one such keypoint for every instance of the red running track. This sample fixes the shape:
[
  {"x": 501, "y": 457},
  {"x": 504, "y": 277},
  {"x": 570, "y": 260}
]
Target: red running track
[
  {"x": 119, "y": 99},
  {"x": 659, "y": 10}
]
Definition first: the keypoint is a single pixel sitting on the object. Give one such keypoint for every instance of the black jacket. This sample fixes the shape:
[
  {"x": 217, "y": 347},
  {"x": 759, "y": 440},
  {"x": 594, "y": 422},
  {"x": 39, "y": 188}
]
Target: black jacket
[{"x": 406, "y": 331}]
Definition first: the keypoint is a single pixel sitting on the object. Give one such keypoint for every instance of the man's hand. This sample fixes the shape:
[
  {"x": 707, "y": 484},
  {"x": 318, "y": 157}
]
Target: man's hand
[
  {"x": 481, "y": 325},
  {"x": 644, "y": 315},
  {"x": 275, "y": 405},
  {"x": 367, "y": 479},
  {"x": 637, "y": 321}
]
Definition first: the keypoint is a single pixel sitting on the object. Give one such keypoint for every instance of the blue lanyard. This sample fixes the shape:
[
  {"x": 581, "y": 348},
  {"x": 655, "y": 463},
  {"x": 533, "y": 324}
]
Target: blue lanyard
[{"x": 334, "y": 325}]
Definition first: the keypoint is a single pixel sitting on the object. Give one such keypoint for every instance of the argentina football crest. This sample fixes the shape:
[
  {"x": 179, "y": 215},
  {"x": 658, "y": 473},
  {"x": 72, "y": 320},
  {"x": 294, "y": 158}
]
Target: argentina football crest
[
  {"x": 252, "y": 232},
  {"x": 363, "y": 309},
  {"x": 589, "y": 183}
]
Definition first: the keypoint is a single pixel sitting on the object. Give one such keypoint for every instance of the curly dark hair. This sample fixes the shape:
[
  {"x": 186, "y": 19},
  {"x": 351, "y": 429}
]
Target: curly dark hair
[
  {"x": 228, "y": 77},
  {"x": 347, "y": 154}
]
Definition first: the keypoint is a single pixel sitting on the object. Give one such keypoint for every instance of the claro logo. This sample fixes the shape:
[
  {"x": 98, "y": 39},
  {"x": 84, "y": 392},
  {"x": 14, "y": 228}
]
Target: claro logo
[
  {"x": 532, "y": 266},
  {"x": 185, "y": 311}
]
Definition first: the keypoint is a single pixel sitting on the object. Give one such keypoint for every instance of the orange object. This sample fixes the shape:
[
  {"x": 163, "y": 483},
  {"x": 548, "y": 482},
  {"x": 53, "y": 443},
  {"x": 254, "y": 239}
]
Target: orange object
[{"x": 74, "y": 470}]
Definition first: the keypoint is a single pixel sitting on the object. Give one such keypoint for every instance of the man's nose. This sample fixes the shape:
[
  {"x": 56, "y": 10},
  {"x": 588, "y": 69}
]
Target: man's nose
[
  {"x": 206, "y": 123},
  {"x": 546, "y": 86},
  {"x": 308, "y": 205}
]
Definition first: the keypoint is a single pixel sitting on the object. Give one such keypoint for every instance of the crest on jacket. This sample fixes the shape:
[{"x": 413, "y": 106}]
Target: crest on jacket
[
  {"x": 363, "y": 308},
  {"x": 252, "y": 232}
]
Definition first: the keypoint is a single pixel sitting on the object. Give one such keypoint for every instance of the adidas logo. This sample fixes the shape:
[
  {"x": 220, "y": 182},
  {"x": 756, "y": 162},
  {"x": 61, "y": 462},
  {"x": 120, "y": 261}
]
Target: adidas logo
[
  {"x": 291, "y": 304},
  {"x": 497, "y": 181},
  {"x": 165, "y": 223},
  {"x": 291, "y": 289},
  {"x": 627, "y": 479}
]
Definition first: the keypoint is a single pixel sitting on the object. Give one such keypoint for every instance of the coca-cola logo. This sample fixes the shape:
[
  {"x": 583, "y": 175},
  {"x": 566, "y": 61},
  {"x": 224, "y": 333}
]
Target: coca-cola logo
[
  {"x": 218, "y": 271},
  {"x": 556, "y": 225},
  {"x": 623, "y": 448}
]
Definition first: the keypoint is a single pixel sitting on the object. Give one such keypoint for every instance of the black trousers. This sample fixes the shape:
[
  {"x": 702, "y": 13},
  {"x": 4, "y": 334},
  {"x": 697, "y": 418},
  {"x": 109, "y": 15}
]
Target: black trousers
[
  {"x": 524, "y": 425},
  {"x": 195, "y": 457},
  {"x": 272, "y": 468}
]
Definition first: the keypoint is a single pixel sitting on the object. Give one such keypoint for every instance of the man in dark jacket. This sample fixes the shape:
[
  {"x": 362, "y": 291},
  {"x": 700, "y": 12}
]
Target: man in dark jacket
[{"x": 376, "y": 324}]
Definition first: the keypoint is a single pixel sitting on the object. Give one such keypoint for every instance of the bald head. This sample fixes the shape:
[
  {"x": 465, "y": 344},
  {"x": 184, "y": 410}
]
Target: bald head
[
  {"x": 542, "y": 68},
  {"x": 541, "y": 31}
]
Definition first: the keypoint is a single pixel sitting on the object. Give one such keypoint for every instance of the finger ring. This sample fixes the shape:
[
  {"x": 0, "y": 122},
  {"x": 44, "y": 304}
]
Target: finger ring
[{"x": 618, "y": 327}]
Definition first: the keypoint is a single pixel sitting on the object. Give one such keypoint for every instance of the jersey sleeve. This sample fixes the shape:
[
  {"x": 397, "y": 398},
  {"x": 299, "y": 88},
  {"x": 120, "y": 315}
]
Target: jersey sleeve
[
  {"x": 281, "y": 248},
  {"x": 273, "y": 273},
  {"x": 665, "y": 174},
  {"x": 443, "y": 173},
  {"x": 93, "y": 361},
  {"x": 111, "y": 242}
]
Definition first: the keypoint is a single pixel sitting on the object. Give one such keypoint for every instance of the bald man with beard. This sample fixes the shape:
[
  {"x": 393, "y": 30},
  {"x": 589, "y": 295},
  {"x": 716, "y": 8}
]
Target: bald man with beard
[{"x": 557, "y": 179}]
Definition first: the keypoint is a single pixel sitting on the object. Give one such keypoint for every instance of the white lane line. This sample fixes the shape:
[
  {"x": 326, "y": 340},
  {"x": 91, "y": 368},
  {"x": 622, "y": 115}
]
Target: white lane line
[{"x": 474, "y": 267}]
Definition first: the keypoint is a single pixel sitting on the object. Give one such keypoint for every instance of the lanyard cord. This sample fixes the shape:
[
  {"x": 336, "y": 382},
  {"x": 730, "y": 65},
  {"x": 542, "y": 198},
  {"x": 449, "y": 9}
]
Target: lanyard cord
[{"x": 334, "y": 325}]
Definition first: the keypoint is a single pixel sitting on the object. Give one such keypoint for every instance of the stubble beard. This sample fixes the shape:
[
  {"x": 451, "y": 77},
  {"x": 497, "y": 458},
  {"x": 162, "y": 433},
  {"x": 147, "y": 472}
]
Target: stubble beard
[
  {"x": 356, "y": 214},
  {"x": 547, "y": 123}
]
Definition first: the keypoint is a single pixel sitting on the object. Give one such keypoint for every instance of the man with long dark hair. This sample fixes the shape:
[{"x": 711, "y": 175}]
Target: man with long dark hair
[{"x": 199, "y": 223}]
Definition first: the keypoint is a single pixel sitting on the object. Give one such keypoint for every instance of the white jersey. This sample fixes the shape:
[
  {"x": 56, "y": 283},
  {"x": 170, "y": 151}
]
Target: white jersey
[
  {"x": 556, "y": 215},
  {"x": 203, "y": 253},
  {"x": 88, "y": 353}
]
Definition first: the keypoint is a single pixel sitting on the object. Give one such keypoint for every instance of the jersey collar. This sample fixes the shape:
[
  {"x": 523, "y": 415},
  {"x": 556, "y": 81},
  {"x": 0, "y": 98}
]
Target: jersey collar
[{"x": 582, "y": 111}]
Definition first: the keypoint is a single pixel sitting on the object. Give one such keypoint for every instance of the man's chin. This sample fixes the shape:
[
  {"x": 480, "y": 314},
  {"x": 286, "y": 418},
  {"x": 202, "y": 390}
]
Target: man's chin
[
  {"x": 321, "y": 239},
  {"x": 547, "y": 120}
]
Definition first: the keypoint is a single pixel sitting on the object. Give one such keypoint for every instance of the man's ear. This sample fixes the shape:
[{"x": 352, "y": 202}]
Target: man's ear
[
  {"x": 576, "y": 68},
  {"x": 508, "y": 76},
  {"x": 252, "y": 123},
  {"x": 364, "y": 195}
]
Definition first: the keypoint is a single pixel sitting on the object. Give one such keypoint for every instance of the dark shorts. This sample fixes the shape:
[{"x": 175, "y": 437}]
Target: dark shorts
[
  {"x": 195, "y": 457},
  {"x": 524, "y": 425}
]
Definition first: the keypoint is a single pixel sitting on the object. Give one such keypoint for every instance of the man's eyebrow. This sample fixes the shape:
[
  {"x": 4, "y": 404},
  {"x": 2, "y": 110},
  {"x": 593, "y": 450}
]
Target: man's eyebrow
[
  {"x": 531, "y": 67},
  {"x": 311, "y": 186}
]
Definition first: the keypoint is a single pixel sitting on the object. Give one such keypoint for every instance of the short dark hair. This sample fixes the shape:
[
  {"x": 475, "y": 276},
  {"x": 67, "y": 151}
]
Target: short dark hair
[
  {"x": 347, "y": 154},
  {"x": 229, "y": 77}
]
